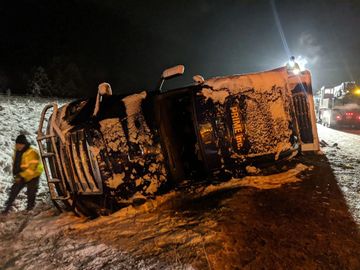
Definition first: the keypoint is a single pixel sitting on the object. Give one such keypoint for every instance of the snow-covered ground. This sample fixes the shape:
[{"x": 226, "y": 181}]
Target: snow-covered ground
[
  {"x": 342, "y": 148},
  {"x": 255, "y": 222}
]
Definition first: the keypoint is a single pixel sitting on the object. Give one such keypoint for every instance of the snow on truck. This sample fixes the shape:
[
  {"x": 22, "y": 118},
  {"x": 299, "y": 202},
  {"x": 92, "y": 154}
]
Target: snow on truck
[
  {"x": 103, "y": 153},
  {"x": 339, "y": 106}
]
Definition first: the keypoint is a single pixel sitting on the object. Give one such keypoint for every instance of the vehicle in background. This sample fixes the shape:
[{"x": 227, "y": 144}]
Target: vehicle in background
[
  {"x": 339, "y": 106},
  {"x": 103, "y": 153}
]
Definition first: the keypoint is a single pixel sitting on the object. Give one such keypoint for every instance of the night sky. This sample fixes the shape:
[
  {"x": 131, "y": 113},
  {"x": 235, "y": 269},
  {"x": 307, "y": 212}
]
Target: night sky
[{"x": 129, "y": 43}]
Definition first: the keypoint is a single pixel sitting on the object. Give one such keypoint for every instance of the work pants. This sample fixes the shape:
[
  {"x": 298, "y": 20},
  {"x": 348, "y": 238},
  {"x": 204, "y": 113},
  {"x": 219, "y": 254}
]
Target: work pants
[{"x": 32, "y": 188}]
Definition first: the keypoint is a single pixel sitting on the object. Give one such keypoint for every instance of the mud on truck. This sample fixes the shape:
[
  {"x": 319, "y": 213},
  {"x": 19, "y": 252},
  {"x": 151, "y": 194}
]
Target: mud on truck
[
  {"x": 106, "y": 152},
  {"x": 339, "y": 106}
]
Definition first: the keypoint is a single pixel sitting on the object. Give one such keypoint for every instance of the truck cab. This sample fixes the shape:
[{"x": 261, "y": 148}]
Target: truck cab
[{"x": 340, "y": 106}]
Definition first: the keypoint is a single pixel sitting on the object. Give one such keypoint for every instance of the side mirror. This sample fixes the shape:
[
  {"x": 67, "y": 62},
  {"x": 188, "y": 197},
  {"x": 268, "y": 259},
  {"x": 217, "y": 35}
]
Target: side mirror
[
  {"x": 173, "y": 72},
  {"x": 104, "y": 89},
  {"x": 170, "y": 73}
]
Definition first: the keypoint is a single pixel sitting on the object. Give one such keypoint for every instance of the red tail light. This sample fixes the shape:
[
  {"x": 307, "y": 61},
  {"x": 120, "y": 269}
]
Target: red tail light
[{"x": 338, "y": 117}]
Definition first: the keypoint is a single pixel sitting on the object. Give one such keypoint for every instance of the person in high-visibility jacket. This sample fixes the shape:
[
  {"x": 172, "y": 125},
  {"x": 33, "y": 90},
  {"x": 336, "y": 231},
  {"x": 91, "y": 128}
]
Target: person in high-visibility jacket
[{"x": 27, "y": 168}]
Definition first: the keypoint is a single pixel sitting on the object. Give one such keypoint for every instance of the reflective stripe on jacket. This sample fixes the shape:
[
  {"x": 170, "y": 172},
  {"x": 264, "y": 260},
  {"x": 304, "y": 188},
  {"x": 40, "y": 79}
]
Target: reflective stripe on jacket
[{"x": 31, "y": 166}]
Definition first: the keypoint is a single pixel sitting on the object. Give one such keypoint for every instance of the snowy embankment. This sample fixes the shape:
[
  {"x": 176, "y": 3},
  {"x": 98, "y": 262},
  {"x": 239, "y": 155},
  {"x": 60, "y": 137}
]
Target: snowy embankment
[{"x": 18, "y": 115}]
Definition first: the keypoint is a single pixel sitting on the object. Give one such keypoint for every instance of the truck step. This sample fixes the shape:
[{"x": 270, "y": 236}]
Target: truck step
[
  {"x": 54, "y": 180},
  {"x": 45, "y": 137},
  {"x": 49, "y": 154}
]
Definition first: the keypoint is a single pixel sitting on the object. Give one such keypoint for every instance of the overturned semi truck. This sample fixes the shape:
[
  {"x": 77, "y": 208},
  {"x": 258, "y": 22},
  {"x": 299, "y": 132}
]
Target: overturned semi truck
[{"x": 103, "y": 153}]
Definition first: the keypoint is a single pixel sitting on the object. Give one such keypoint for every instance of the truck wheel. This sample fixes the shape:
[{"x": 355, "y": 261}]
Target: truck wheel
[{"x": 81, "y": 209}]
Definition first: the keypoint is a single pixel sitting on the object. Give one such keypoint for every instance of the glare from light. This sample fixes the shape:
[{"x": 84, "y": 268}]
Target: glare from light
[
  {"x": 300, "y": 60},
  {"x": 357, "y": 91},
  {"x": 296, "y": 71}
]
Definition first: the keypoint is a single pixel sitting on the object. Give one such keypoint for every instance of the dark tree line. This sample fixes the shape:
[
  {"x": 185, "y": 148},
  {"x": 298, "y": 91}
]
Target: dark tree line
[
  {"x": 58, "y": 79},
  {"x": 62, "y": 79}
]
